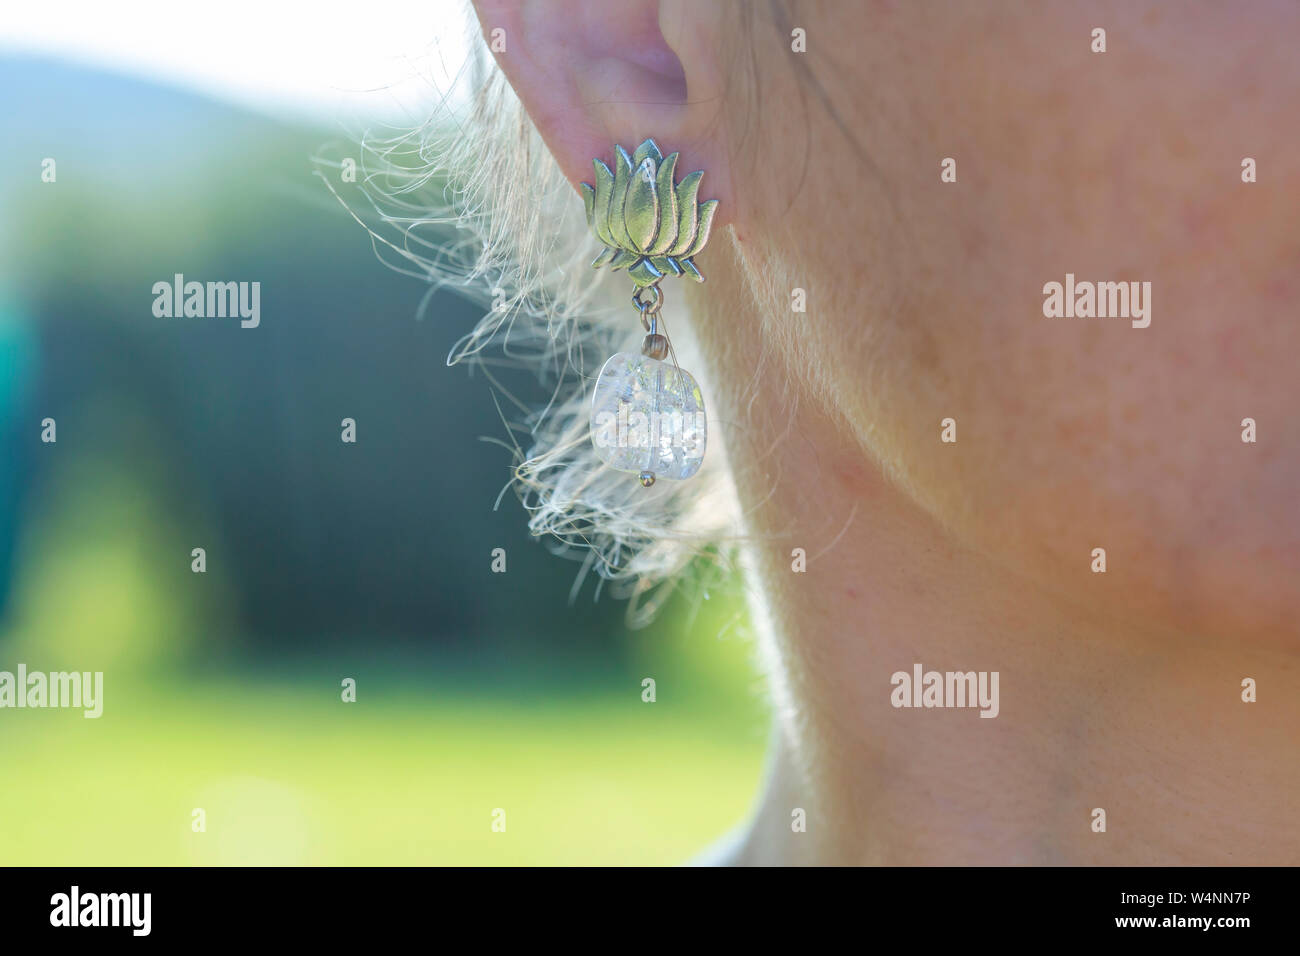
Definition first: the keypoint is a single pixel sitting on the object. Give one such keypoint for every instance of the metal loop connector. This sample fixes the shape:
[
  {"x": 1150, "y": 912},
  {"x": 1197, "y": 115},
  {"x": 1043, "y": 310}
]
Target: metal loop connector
[{"x": 649, "y": 310}]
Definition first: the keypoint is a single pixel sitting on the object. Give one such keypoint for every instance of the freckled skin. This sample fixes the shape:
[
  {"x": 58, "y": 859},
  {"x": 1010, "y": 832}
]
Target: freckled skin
[
  {"x": 1123, "y": 165},
  {"x": 925, "y": 301}
]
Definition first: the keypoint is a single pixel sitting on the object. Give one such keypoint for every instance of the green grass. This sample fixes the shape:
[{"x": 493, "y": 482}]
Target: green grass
[{"x": 288, "y": 774}]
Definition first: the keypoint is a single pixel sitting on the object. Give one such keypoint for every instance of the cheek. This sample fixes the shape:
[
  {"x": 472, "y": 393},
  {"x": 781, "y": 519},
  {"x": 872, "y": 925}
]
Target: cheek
[
  {"x": 1074, "y": 435},
  {"x": 1081, "y": 433},
  {"x": 1085, "y": 432}
]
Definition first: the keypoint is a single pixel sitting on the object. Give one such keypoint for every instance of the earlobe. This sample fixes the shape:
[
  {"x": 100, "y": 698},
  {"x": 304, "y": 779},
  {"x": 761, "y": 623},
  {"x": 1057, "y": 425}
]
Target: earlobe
[{"x": 592, "y": 74}]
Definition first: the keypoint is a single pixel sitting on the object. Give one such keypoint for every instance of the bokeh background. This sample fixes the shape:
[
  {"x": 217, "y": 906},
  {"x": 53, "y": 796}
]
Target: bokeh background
[{"x": 325, "y": 560}]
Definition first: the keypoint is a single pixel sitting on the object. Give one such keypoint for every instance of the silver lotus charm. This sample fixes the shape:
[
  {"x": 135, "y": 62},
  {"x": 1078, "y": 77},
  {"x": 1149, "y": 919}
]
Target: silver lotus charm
[{"x": 650, "y": 226}]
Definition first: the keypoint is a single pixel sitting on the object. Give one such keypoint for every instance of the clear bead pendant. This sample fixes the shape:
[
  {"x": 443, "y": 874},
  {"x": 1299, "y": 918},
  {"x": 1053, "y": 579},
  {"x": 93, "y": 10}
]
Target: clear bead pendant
[{"x": 647, "y": 417}]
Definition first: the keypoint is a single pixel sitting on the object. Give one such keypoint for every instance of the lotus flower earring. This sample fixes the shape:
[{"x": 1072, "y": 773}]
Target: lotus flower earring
[{"x": 647, "y": 416}]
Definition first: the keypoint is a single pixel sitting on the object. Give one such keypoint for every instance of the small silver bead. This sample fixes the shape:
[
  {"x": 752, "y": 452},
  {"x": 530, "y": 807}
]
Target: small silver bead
[
  {"x": 655, "y": 346},
  {"x": 647, "y": 478}
]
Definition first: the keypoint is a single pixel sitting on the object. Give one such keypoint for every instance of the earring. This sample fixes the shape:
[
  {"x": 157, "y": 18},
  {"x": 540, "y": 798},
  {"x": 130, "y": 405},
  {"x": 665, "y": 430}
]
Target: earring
[{"x": 647, "y": 416}]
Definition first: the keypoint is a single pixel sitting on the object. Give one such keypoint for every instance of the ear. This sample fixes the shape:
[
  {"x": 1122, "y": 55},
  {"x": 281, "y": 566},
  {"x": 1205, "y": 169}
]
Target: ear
[{"x": 593, "y": 73}]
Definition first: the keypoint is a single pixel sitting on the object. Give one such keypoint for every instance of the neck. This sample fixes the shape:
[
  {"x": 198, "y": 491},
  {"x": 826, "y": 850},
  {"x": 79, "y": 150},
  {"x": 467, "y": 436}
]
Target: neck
[{"x": 1092, "y": 712}]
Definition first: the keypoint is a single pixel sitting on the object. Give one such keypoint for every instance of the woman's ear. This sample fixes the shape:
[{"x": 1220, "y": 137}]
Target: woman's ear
[{"x": 592, "y": 73}]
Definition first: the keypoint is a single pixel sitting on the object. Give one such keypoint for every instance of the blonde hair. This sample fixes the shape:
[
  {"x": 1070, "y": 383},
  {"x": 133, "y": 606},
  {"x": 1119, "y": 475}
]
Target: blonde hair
[{"x": 472, "y": 200}]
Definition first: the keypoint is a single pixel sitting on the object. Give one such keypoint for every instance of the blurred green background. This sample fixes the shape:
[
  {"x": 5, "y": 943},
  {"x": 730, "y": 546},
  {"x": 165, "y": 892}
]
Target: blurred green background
[{"x": 325, "y": 560}]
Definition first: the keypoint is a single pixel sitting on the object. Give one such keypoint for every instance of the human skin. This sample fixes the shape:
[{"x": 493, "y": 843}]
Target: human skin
[{"x": 1119, "y": 690}]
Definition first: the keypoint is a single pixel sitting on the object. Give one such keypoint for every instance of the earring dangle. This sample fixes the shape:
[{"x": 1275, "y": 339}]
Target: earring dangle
[{"x": 647, "y": 415}]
